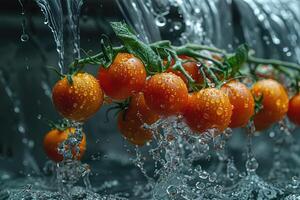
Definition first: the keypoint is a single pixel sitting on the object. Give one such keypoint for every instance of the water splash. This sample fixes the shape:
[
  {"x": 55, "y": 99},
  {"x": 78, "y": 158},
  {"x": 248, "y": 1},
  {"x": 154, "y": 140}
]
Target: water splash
[
  {"x": 138, "y": 15},
  {"x": 74, "y": 7},
  {"x": 53, "y": 13}
]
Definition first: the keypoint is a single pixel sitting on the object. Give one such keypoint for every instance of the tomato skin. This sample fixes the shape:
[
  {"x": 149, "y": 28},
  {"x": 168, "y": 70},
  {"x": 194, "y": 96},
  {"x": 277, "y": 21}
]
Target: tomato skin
[
  {"x": 166, "y": 94},
  {"x": 209, "y": 108},
  {"x": 80, "y": 100},
  {"x": 55, "y": 137},
  {"x": 124, "y": 77},
  {"x": 275, "y": 102},
  {"x": 190, "y": 67},
  {"x": 242, "y": 101},
  {"x": 294, "y": 109},
  {"x": 131, "y": 121}
]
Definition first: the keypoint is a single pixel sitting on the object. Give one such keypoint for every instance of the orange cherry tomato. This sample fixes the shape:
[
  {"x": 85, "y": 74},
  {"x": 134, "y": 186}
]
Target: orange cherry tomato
[
  {"x": 294, "y": 109},
  {"x": 191, "y": 68},
  {"x": 124, "y": 77},
  {"x": 275, "y": 102},
  {"x": 80, "y": 100},
  {"x": 207, "y": 109},
  {"x": 131, "y": 121},
  {"x": 55, "y": 137},
  {"x": 242, "y": 101},
  {"x": 166, "y": 94}
]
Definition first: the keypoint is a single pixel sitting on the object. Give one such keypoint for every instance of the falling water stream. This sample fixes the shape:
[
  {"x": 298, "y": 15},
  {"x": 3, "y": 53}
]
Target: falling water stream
[{"x": 178, "y": 164}]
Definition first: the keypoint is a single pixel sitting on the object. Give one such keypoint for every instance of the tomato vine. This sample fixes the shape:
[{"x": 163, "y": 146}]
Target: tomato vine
[{"x": 152, "y": 55}]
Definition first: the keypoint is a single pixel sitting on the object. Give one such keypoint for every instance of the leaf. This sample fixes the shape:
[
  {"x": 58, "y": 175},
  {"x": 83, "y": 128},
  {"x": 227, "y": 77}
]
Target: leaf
[
  {"x": 238, "y": 59},
  {"x": 135, "y": 46}
]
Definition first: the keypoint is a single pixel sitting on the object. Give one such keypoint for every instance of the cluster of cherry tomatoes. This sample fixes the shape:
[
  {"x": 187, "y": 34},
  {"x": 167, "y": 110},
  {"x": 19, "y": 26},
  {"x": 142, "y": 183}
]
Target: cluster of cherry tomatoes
[{"x": 166, "y": 94}]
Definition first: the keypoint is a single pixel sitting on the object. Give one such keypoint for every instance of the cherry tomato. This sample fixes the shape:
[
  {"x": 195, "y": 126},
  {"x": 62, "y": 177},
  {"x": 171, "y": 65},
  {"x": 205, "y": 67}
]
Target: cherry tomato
[
  {"x": 190, "y": 67},
  {"x": 294, "y": 109},
  {"x": 131, "y": 121},
  {"x": 275, "y": 102},
  {"x": 207, "y": 109},
  {"x": 243, "y": 103},
  {"x": 80, "y": 100},
  {"x": 55, "y": 137},
  {"x": 124, "y": 77},
  {"x": 166, "y": 94},
  {"x": 265, "y": 71}
]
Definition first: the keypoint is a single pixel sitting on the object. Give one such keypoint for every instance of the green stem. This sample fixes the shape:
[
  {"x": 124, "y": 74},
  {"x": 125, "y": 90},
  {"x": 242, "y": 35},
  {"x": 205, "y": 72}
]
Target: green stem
[
  {"x": 91, "y": 59},
  {"x": 162, "y": 43},
  {"x": 178, "y": 66},
  {"x": 274, "y": 63},
  {"x": 212, "y": 75},
  {"x": 203, "y": 47},
  {"x": 191, "y": 53}
]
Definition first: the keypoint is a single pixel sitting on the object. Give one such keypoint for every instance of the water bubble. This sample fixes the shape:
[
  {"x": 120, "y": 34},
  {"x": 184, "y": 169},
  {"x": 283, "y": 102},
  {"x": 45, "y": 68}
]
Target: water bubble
[
  {"x": 272, "y": 134},
  {"x": 212, "y": 177},
  {"x": 203, "y": 175},
  {"x": 172, "y": 190},
  {"x": 218, "y": 189},
  {"x": 160, "y": 21},
  {"x": 177, "y": 25},
  {"x": 200, "y": 185},
  {"x": 289, "y": 54},
  {"x": 21, "y": 128},
  {"x": 276, "y": 40},
  {"x": 24, "y": 37},
  {"x": 197, "y": 10},
  {"x": 251, "y": 164},
  {"x": 285, "y": 49},
  {"x": 17, "y": 109}
]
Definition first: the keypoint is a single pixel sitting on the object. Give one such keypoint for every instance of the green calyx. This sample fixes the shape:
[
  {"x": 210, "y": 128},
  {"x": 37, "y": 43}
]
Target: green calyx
[{"x": 60, "y": 125}]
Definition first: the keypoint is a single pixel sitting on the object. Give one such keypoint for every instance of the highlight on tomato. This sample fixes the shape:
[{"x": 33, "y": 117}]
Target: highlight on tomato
[
  {"x": 294, "y": 109},
  {"x": 78, "y": 100},
  {"x": 132, "y": 120},
  {"x": 274, "y": 102},
  {"x": 55, "y": 137},
  {"x": 166, "y": 94},
  {"x": 209, "y": 108},
  {"x": 124, "y": 77},
  {"x": 242, "y": 101}
]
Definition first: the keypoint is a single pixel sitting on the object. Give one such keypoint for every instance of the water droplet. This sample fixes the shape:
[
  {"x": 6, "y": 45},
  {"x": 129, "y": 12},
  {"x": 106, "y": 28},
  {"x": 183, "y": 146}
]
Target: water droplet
[
  {"x": 219, "y": 111},
  {"x": 160, "y": 21},
  {"x": 203, "y": 175},
  {"x": 212, "y": 177},
  {"x": 21, "y": 128},
  {"x": 251, "y": 164},
  {"x": 200, "y": 185},
  {"x": 24, "y": 37},
  {"x": 17, "y": 109},
  {"x": 172, "y": 190},
  {"x": 177, "y": 25}
]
